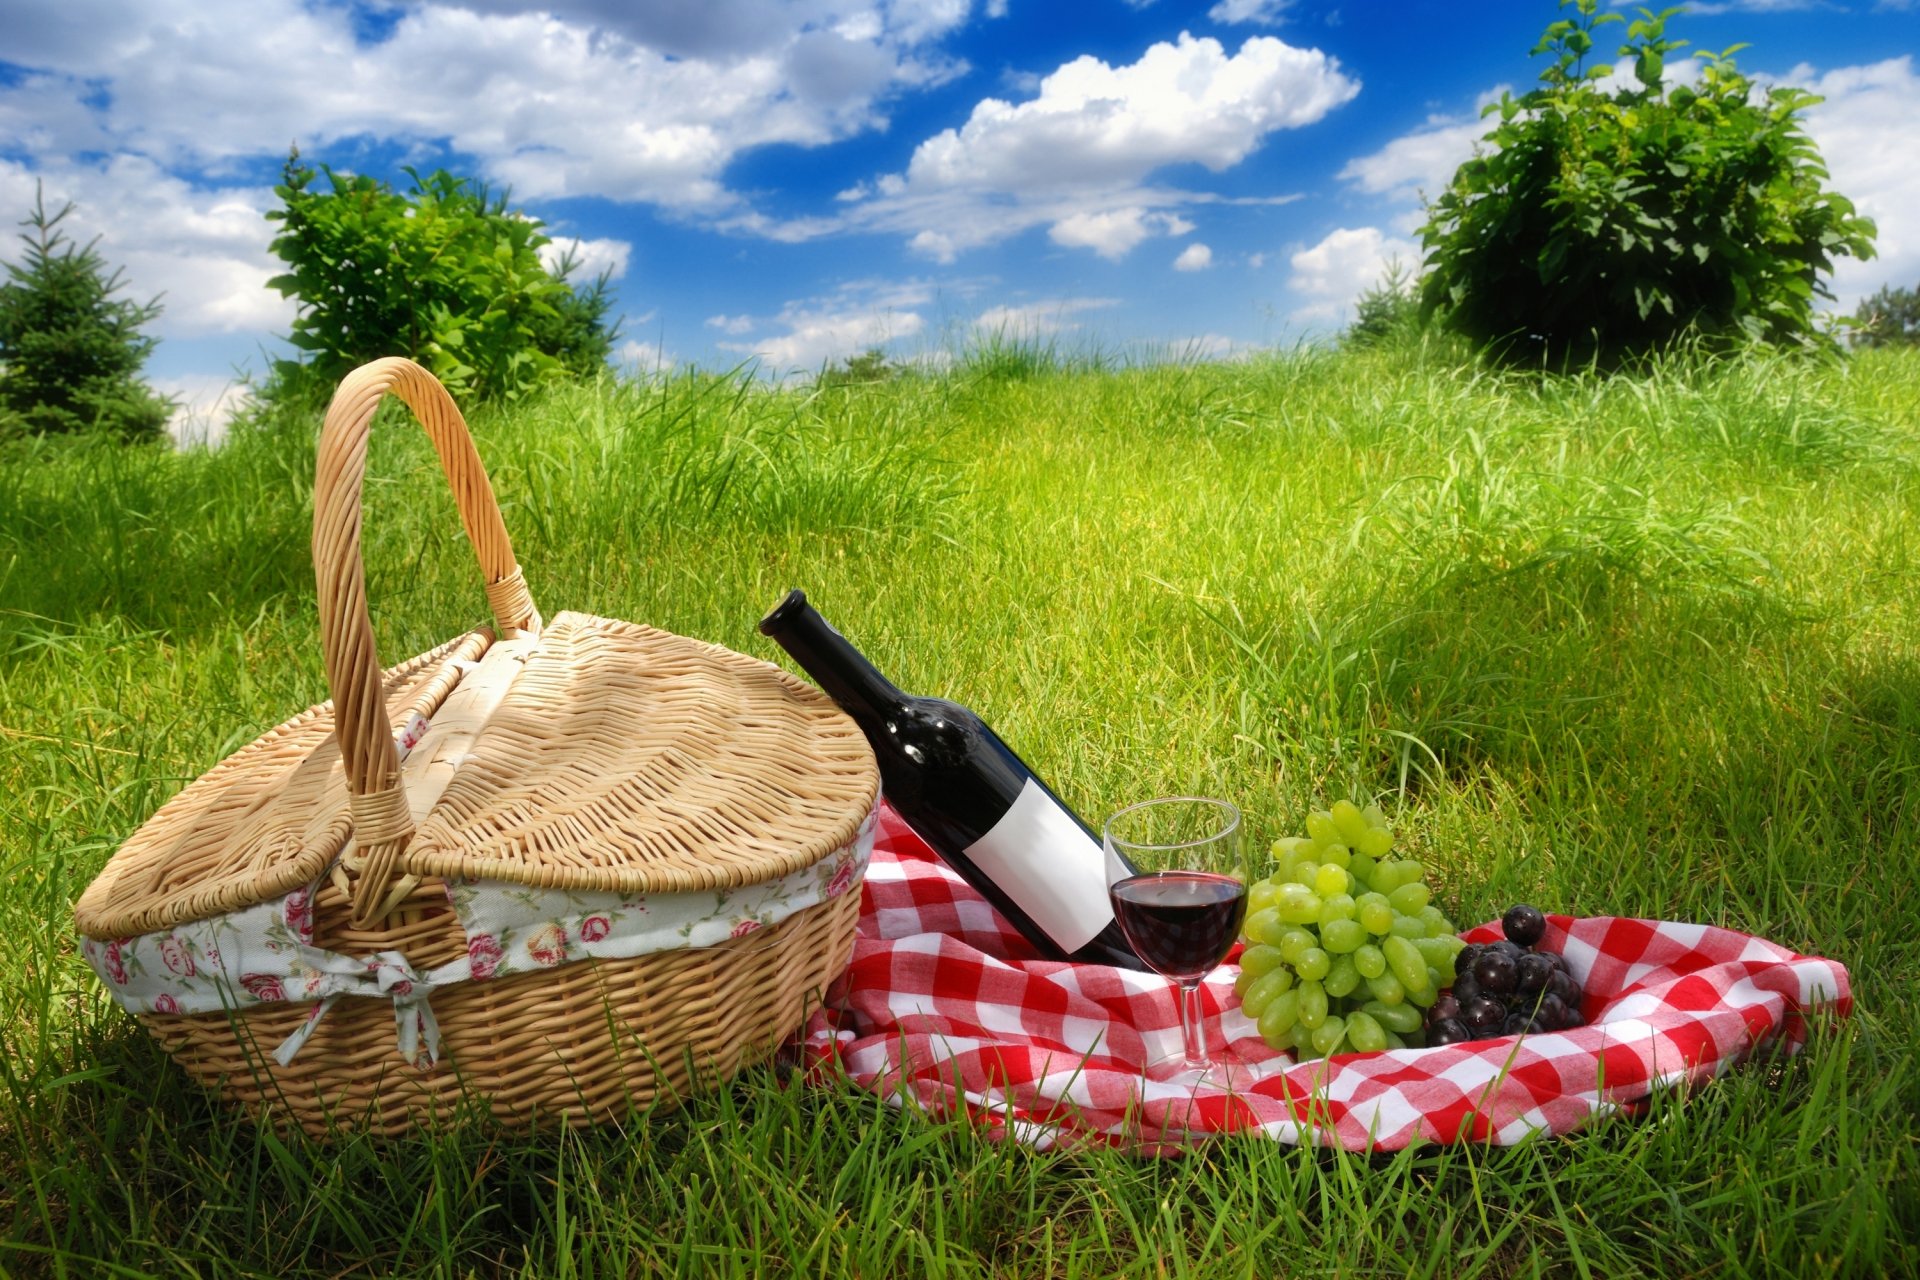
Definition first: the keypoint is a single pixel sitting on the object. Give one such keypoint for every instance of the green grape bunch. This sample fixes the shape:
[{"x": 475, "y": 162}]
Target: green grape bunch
[{"x": 1345, "y": 947}]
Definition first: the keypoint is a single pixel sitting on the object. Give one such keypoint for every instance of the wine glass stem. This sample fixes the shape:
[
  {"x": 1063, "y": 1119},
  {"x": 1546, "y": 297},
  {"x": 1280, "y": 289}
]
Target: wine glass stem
[{"x": 1192, "y": 1031}]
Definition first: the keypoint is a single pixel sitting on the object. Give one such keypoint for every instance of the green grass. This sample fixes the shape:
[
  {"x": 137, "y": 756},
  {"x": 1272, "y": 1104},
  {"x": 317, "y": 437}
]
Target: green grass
[{"x": 1644, "y": 646}]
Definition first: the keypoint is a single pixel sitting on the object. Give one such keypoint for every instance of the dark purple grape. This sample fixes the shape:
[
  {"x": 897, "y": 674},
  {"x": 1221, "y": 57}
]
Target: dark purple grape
[
  {"x": 1559, "y": 961},
  {"x": 1506, "y": 948},
  {"x": 1466, "y": 988},
  {"x": 1554, "y": 1015},
  {"x": 1446, "y": 1006},
  {"x": 1485, "y": 1015},
  {"x": 1463, "y": 959},
  {"x": 1536, "y": 971},
  {"x": 1562, "y": 984},
  {"x": 1523, "y": 924},
  {"x": 1448, "y": 1031},
  {"x": 1516, "y": 1023},
  {"x": 1496, "y": 972}
]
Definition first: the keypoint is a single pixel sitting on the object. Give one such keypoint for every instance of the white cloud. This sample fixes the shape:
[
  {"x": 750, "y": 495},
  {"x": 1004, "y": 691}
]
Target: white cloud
[
  {"x": 1265, "y": 13},
  {"x": 1420, "y": 162},
  {"x": 1054, "y": 315},
  {"x": 817, "y": 331},
  {"x": 632, "y": 102},
  {"x": 1345, "y": 263},
  {"x": 735, "y": 325},
  {"x": 645, "y": 357},
  {"x": 203, "y": 406},
  {"x": 1195, "y": 257},
  {"x": 1093, "y": 124},
  {"x": 1114, "y": 234},
  {"x": 590, "y": 257},
  {"x": 1078, "y": 155}
]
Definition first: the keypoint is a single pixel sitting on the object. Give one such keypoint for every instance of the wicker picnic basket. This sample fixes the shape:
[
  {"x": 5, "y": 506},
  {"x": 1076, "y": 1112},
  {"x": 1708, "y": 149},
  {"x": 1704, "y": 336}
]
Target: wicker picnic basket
[{"x": 614, "y": 866}]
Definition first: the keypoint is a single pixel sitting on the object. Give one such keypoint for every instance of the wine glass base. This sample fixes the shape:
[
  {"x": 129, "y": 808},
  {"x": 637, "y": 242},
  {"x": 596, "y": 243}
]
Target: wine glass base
[{"x": 1175, "y": 1069}]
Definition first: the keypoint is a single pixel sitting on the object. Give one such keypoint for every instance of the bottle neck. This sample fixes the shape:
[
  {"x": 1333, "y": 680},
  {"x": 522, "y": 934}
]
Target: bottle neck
[{"x": 823, "y": 653}]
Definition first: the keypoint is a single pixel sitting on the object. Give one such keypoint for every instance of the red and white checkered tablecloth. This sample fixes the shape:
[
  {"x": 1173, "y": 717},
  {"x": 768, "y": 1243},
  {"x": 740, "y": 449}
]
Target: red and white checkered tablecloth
[{"x": 944, "y": 1004}]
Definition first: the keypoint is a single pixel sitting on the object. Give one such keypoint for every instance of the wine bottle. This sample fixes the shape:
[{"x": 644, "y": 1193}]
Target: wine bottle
[{"x": 966, "y": 793}]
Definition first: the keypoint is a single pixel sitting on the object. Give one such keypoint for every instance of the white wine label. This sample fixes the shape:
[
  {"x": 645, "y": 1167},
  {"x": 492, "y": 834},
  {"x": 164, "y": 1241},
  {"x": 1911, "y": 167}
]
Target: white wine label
[{"x": 1048, "y": 864}]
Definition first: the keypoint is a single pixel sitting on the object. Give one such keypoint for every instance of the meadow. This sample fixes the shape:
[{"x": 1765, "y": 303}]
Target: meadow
[{"x": 1641, "y": 645}]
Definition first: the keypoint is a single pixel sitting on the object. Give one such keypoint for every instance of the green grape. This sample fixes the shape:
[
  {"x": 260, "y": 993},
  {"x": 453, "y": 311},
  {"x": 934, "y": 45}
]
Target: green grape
[
  {"x": 1341, "y": 937},
  {"x": 1293, "y": 943},
  {"x": 1299, "y": 904},
  {"x": 1403, "y": 958},
  {"x": 1394, "y": 1041},
  {"x": 1408, "y": 927},
  {"x": 1370, "y": 961},
  {"x": 1255, "y": 928},
  {"x": 1313, "y": 1004},
  {"x": 1374, "y": 816},
  {"x": 1437, "y": 952},
  {"x": 1321, "y": 827},
  {"x": 1409, "y": 898},
  {"x": 1262, "y": 895},
  {"x": 1286, "y": 846},
  {"x": 1314, "y": 964},
  {"x": 1347, "y": 817},
  {"x": 1376, "y": 843},
  {"x": 1336, "y": 907},
  {"x": 1394, "y": 1017},
  {"x": 1438, "y": 926},
  {"x": 1302, "y": 870},
  {"x": 1366, "y": 1034},
  {"x": 1331, "y": 879},
  {"x": 1394, "y": 872},
  {"x": 1279, "y": 1016},
  {"x": 1336, "y": 855},
  {"x": 1361, "y": 868},
  {"x": 1342, "y": 978},
  {"x": 1374, "y": 912},
  {"x": 1387, "y": 989},
  {"x": 1262, "y": 992},
  {"x": 1328, "y": 1035},
  {"x": 1242, "y": 983},
  {"x": 1260, "y": 958}
]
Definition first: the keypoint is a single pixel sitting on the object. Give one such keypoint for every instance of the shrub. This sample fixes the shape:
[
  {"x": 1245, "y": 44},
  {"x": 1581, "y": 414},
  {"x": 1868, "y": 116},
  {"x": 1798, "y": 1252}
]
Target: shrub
[
  {"x": 444, "y": 273},
  {"x": 1890, "y": 318},
  {"x": 70, "y": 352},
  {"x": 1600, "y": 225}
]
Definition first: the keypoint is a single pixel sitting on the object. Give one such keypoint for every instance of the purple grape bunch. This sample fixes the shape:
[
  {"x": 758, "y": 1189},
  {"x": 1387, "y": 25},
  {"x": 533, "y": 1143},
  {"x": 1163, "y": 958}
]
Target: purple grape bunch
[{"x": 1507, "y": 987}]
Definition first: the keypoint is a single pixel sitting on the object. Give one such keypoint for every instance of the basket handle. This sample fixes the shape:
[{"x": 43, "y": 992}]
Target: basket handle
[{"x": 381, "y": 821}]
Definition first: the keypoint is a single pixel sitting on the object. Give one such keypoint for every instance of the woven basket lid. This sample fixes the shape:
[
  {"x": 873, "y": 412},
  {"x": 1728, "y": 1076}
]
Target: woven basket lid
[{"x": 585, "y": 753}]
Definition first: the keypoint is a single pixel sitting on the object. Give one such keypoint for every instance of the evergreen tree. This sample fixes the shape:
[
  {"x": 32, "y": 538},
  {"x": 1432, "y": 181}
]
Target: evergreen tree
[
  {"x": 1890, "y": 318},
  {"x": 70, "y": 352}
]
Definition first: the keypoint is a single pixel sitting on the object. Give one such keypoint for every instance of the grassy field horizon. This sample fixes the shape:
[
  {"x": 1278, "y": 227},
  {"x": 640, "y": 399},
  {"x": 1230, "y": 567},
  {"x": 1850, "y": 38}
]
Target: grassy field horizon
[{"x": 1641, "y": 645}]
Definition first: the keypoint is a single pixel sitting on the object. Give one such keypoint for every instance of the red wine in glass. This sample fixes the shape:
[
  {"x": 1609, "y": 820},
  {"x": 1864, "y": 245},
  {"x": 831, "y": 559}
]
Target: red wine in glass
[
  {"x": 1182, "y": 923},
  {"x": 1176, "y": 876}
]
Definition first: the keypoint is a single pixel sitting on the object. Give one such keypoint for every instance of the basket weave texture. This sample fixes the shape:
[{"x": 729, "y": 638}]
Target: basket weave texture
[{"x": 579, "y": 756}]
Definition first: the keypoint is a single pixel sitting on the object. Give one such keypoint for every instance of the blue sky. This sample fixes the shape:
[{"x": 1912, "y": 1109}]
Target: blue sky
[{"x": 791, "y": 181}]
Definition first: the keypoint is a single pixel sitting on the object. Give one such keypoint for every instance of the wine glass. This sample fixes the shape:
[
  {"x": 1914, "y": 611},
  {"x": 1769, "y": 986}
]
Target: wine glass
[{"x": 1177, "y": 877}]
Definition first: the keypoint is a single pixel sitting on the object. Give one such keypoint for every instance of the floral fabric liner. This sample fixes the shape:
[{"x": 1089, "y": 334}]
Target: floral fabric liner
[{"x": 265, "y": 953}]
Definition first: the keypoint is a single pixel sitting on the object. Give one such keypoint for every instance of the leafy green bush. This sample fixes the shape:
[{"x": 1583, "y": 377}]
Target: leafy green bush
[
  {"x": 1890, "y": 318},
  {"x": 1600, "y": 225},
  {"x": 445, "y": 273},
  {"x": 70, "y": 352}
]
